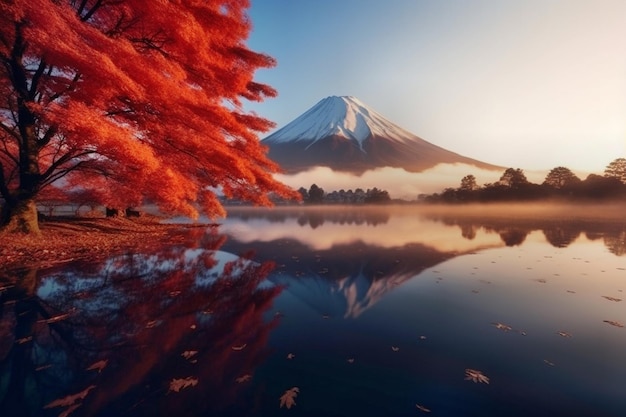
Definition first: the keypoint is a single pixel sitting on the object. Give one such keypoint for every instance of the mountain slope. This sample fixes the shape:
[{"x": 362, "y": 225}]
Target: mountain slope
[{"x": 345, "y": 134}]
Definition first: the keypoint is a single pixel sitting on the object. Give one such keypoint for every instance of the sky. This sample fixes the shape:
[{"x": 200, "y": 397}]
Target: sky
[{"x": 531, "y": 84}]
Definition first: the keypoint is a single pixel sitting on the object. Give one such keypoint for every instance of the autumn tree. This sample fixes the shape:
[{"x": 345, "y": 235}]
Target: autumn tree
[
  {"x": 316, "y": 194},
  {"x": 561, "y": 177},
  {"x": 616, "y": 169},
  {"x": 514, "y": 178},
  {"x": 468, "y": 183},
  {"x": 140, "y": 100}
]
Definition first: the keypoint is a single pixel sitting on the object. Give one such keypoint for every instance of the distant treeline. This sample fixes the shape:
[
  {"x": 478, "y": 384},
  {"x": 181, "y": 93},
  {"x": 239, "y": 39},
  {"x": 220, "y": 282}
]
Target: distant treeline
[
  {"x": 317, "y": 195},
  {"x": 560, "y": 183}
]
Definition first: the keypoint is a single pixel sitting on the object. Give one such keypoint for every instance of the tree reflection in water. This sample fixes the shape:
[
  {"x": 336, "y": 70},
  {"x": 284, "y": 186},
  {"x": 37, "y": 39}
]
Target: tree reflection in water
[
  {"x": 560, "y": 234},
  {"x": 119, "y": 333}
]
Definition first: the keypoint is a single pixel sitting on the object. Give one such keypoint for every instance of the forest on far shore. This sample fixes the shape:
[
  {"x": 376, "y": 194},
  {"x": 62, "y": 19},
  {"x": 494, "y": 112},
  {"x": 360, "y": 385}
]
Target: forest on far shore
[{"x": 560, "y": 184}]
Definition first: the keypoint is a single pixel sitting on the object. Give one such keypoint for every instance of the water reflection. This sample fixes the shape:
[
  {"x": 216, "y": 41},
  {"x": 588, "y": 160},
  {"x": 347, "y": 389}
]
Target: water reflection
[
  {"x": 369, "y": 312},
  {"x": 178, "y": 332}
]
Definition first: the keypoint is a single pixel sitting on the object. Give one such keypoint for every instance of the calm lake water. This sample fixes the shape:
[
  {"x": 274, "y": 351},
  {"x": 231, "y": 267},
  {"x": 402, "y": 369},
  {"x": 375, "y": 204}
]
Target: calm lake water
[{"x": 366, "y": 311}]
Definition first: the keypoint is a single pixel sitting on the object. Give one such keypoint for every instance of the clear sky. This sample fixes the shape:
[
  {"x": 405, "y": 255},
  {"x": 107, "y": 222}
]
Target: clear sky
[{"x": 530, "y": 84}]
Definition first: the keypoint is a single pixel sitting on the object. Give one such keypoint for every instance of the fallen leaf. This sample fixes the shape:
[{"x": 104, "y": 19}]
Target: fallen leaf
[
  {"x": 350, "y": 360},
  {"x": 290, "y": 356},
  {"x": 564, "y": 334},
  {"x": 99, "y": 366},
  {"x": 395, "y": 348},
  {"x": 612, "y": 298},
  {"x": 177, "y": 384},
  {"x": 69, "y": 410},
  {"x": 243, "y": 378},
  {"x": 188, "y": 354},
  {"x": 476, "y": 376},
  {"x": 547, "y": 362},
  {"x": 241, "y": 347},
  {"x": 502, "y": 327},
  {"x": 613, "y": 323},
  {"x": 70, "y": 399},
  {"x": 288, "y": 399},
  {"x": 55, "y": 318},
  {"x": 422, "y": 408}
]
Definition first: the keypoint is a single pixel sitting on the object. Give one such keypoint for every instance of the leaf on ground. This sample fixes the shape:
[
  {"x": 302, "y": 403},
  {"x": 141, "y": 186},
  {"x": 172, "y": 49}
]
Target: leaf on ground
[
  {"x": 288, "y": 399},
  {"x": 612, "y": 298},
  {"x": 98, "y": 366},
  {"x": 188, "y": 354},
  {"x": 178, "y": 384},
  {"x": 476, "y": 376},
  {"x": 70, "y": 399}
]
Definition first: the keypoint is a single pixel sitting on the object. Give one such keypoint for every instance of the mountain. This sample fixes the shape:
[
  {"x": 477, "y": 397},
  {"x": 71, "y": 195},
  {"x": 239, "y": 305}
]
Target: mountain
[{"x": 344, "y": 134}]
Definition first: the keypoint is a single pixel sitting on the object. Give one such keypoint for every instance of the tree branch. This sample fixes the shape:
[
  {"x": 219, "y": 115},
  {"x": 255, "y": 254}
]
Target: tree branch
[
  {"x": 34, "y": 82},
  {"x": 4, "y": 189}
]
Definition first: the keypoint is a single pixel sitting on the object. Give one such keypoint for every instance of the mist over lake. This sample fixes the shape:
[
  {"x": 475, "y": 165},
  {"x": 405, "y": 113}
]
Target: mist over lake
[{"x": 367, "y": 311}]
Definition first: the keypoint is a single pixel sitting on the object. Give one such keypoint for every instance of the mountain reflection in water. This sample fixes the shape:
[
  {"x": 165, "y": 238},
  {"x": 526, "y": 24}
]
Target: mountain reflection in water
[{"x": 366, "y": 311}]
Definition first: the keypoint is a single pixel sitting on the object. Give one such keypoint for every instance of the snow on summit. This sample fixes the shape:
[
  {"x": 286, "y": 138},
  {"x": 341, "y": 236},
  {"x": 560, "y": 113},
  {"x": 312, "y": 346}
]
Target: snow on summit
[{"x": 343, "y": 116}]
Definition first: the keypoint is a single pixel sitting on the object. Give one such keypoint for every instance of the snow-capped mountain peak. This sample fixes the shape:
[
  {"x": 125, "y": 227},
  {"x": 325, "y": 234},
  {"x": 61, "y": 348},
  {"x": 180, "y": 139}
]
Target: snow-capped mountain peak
[
  {"x": 344, "y": 134},
  {"x": 343, "y": 116}
]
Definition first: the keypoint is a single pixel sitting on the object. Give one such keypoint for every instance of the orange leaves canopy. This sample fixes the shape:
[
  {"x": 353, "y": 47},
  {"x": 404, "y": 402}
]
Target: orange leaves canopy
[{"x": 140, "y": 99}]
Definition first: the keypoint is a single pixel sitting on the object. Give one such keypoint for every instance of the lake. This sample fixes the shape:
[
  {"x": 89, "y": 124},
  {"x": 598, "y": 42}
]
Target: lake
[{"x": 340, "y": 311}]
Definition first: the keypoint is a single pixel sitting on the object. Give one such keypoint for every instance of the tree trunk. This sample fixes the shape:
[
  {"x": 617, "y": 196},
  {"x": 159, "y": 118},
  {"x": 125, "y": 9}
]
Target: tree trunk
[{"x": 21, "y": 217}]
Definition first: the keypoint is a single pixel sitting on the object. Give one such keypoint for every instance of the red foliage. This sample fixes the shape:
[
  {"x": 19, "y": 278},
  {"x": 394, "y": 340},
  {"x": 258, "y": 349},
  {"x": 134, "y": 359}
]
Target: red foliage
[{"x": 138, "y": 100}]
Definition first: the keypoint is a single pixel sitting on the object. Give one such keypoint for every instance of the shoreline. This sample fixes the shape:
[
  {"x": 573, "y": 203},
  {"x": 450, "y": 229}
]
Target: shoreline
[{"x": 69, "y": 239}]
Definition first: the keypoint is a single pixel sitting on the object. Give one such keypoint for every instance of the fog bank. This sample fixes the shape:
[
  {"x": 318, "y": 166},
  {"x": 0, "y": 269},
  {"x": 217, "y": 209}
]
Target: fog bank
[{"x": 398, "y": 182}]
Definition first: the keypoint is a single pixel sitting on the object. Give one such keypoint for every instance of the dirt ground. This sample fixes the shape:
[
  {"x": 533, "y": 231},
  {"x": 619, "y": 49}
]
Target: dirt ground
[{"x": 68, "y": 239}]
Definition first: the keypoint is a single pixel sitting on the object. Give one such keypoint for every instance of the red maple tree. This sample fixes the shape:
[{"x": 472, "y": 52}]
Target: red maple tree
[{"x": 138, "y": 99}]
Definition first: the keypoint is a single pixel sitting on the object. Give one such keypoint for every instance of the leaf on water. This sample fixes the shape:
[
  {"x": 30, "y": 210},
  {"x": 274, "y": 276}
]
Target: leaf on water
[
  {"x": 502, "y": 327},
  {"x": 69, "y": 410},
  {"x": 613, "y": 323},
  {"x": 99, "y": 366},
  {"x": 288, "y": 399},
  {"x": 177, "y": 384},
  {"x": 188, "y": 354},
  {"x": 240, "y": 347},
  {"x": 422, "y": 408},
  {"x": 243, "y": 378},
  {"x": 54, "y": 319},
  {"x": 70, "y": 399},
  {"x": 24, "y": 340},
  {"x": 476, "y": 376},
  {"x": 290, "y": 356},
  {"x": 612, "y": 298},
  {"x": 152, "y": 324}
]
